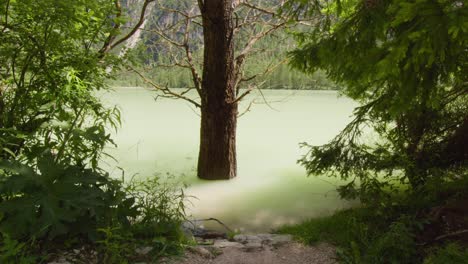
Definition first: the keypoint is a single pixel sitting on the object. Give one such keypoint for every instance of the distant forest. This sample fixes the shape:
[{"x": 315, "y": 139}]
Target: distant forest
[{"x": 152, "y": 55}]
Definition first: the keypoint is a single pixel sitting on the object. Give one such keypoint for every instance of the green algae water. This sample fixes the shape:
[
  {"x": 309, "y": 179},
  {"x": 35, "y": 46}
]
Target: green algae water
[{"x": 162, "y": 136}]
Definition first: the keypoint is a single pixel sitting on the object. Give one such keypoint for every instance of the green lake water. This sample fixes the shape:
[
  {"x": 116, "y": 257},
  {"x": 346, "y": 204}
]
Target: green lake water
[{"x": 162, "y": 136}]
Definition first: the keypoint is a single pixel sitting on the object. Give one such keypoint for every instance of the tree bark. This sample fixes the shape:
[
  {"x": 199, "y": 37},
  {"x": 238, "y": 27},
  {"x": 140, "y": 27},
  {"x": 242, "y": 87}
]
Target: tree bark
[{"x": 217, "y": 157}]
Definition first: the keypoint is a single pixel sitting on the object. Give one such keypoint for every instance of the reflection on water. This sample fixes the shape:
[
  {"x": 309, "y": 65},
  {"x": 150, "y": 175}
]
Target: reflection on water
[{"x": 271, "y": 189}]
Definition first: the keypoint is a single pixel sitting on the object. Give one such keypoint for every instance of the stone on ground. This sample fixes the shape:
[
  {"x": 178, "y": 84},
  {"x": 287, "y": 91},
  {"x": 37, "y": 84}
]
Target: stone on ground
[{"x": 259, "y": 249}]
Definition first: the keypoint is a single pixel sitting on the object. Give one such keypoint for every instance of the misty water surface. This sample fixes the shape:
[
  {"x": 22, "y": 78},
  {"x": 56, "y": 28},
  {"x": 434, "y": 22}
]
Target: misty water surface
[{"x": 271, "y": 188}]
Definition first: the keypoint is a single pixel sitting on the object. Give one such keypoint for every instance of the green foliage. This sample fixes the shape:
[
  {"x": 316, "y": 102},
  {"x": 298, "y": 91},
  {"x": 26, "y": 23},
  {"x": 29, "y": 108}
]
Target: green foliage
[
  {"x": 14, "y": 252},
  {"x": 338, "y": 228},
  {"x": 360, "y": 236},
  {"x": 59, "y": 200},
  {"x": 53, "y": 131},
  {"x": 392, "y": 230},
  {"x": 405, "y": 152},
  {"x": 450, "y": 253},
  {"x": 161, "y": 211},
  {"x": 406, "y": 63},
  {"x": 51, "y": 66},
  {"x": 397, "y": 245},
  {"x": 114, "y": 247}
]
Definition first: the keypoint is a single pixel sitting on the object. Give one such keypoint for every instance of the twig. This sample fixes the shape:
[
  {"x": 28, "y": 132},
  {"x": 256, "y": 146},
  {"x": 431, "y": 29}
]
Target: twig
[
  {"x": 247, "y": 109},
  {"x": 213, "y": 219},
  {"x": 456, "y": 233},
  {"x": 167, "y": 92},
  {"x": 137, "y": 26}
]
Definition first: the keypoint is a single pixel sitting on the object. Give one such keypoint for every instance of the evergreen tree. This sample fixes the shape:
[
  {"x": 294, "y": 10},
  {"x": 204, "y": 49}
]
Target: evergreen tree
[{"x": 406, "y": 63}]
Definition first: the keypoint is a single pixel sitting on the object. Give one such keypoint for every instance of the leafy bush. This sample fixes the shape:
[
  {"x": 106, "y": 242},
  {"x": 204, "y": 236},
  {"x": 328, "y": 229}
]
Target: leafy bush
[
  {"x": 161, "y": 211},
  {"x": 400, "y": 230},
  {"x": 451, "y": 253},
  {"x": 114, "y": 247},
  {"x": 59, "y": 200},
  {"x": 13, "y": 251},
  {"x": 339, "y": 228},
  {"x": 405, "y": 150},
  {"x": 54, "y": 56},
  {"x": 412, "y": 122},
  {"x": 160, "y": 207},
  {"x": 360, "y": 237},
  {"x": 397, "y": 245},
  {"x": 51, "y": 68}
]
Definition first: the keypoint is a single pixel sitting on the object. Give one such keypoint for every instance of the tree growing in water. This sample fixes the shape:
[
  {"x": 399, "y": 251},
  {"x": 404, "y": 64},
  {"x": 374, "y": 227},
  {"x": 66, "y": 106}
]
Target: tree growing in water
[
  {"x": 406, "y": 62},
  {"x": 229, "y": 31},
  {"x": 217, "y": 156}
]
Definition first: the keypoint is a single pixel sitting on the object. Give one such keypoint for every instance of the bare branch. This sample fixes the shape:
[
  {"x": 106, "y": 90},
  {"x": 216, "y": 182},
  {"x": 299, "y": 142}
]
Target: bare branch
[
  {"x": 184, "y": 43},
  {"x": 135, "y": 28},
  {"x": 456, "y": 233},
  {"x": 256, "y": 17},
  {"x": 254, "y": 39},
  {"x": 172, "y": 10},
  {"x": 445, "y": 236},
  {"x": 7, "y": 9},
  {"x": 267, "y": 71},
  {"x": 108, "y": 42},
  {"x": 249, "y": 89},
  {"x": 160, "y": 33},
  {"x": 265, "y": 100},
  {"x": 167, "y": 92},
  {"x": 258, "y": 8},
  {"x": 247, "y": 109},
  {"x": 195, "y": 76}
]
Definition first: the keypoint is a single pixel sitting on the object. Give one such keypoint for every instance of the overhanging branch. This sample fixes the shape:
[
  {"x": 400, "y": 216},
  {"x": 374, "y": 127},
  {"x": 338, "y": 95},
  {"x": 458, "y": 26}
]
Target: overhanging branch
[
  {"x": 109, "y": 44},
  {"x": 167, "y": 92}
]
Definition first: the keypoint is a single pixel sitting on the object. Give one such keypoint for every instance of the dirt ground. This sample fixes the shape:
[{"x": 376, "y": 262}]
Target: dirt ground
[{"x": 290, "y": 253}]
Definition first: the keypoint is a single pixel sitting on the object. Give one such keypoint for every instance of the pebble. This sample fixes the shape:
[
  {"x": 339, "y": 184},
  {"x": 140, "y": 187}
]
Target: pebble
[
  {"x": 248, "y": 243},
  {"x": 226, "y": 243},
  {"x": 61, "y": 260},
  {"x": 201, "y": 251},
  {"x": 143, "y": 250},
  {"x": 253, "y": 246}
]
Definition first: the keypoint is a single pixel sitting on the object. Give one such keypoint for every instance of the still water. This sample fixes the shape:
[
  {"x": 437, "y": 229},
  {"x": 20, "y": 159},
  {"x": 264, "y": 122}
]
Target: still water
[{"x": 162, "y": 136}]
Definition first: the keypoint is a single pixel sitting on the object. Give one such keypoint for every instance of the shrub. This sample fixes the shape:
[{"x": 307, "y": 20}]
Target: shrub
[
  {"x": 58, "y": 200},
  {"x": 58, "y": 203},
  {"x": 338, "y": 229},
  {"x": 13, "y": 251},
  {"x": 451, "y": 253},
  {"x": 161, "y": 211},
  {"x": 396, "y": 245}
]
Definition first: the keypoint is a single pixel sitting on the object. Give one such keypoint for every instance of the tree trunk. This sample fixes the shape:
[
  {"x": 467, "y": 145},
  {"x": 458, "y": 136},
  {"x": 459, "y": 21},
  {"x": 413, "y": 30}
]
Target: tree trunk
[{"x": 217, "y": 157}]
